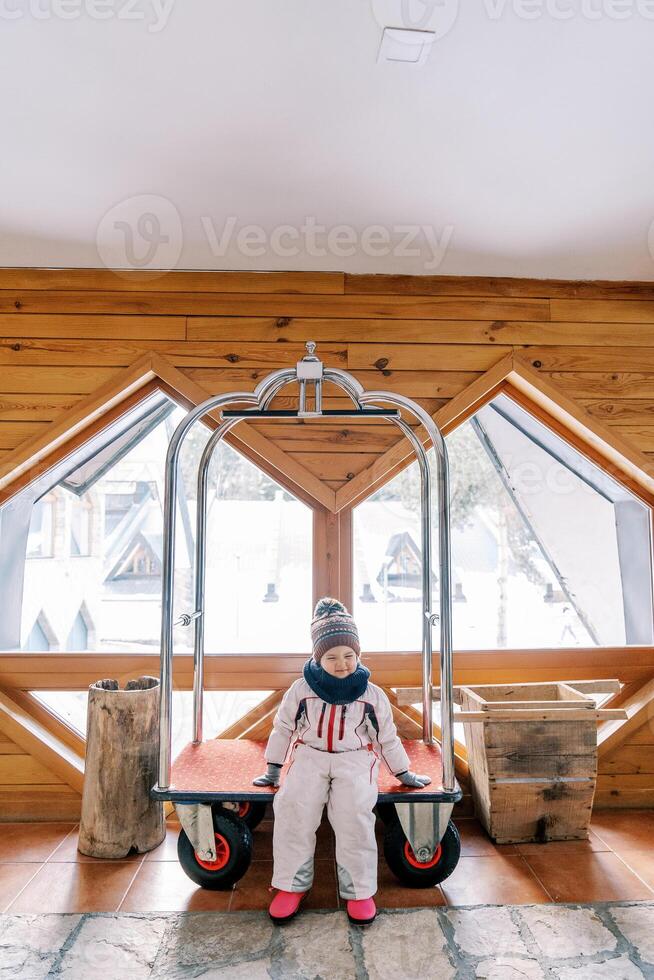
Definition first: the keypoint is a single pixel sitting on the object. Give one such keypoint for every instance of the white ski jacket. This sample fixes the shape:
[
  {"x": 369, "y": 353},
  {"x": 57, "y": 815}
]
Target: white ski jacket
[{"x": 368, "y": 721}]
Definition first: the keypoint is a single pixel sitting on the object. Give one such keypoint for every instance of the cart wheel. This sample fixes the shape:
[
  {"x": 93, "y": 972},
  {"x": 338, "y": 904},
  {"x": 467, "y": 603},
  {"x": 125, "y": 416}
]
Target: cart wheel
[
  {"x": 252, "y": 813},
  {"x": 386, "y": 813},
  {"x": 233, "y": 854},
  {"x": 405, "y": 866}
]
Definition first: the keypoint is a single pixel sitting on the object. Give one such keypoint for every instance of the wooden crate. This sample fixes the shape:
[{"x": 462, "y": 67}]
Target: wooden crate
[{"x": 532, "y": 753}]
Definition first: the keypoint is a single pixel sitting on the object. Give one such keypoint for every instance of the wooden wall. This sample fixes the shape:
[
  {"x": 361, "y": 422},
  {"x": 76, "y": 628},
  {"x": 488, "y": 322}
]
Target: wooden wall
[
  {"x": 64, "y": 334},
  {"x": 626, "y": 774},
  {"x": 31, "y": 790}
]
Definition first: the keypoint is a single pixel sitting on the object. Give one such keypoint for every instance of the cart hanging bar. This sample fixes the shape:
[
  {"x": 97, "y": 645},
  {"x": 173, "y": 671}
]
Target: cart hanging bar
[
  {"x": 332, "y": 413},
  {"x": 310, "y": 374}
]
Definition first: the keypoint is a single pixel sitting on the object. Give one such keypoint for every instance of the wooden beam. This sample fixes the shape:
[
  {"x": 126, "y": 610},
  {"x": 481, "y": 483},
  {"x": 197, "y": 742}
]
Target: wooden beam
[
  {"x": 256, "y": 671},
  {"x": 51, "y": 752},
  {"x": 239, "y": 728},
  {"x": 87, "y": 411},
  {"x": 367, "y": 284},
  {"x": 410, "y": 717},
  {"x": 413, "y": 695},
  {"x": 638, "y": 708},
  {"x": 452, "y": 414},
  {"x": 127, "y": 280},
  {"x": 604, "y": 440},
  {"x": 260, "y": 450}
]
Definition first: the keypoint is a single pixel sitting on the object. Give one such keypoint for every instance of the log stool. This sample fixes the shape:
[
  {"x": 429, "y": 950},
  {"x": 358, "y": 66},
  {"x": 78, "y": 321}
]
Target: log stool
[{"x": 122, "y": 746}]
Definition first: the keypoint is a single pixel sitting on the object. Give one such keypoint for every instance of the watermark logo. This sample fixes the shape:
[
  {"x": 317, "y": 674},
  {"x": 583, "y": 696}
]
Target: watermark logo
[
  {"x": 561, "y": 10},
  {"x": 153, "y": 13},
  {"x": 316, "y": 240},
  {"x": 437, "y": 16},
  {"x": 142, "y": 233}
]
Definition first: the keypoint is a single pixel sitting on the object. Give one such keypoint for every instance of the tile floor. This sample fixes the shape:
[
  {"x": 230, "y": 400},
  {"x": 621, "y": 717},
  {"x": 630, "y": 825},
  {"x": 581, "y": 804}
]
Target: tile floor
[
  {"x": 42, "y": 871},
  {"x": 524, "y": 942}
]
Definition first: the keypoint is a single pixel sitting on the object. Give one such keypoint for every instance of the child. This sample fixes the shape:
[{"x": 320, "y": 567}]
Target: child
[{"x": 336, "y": 725}]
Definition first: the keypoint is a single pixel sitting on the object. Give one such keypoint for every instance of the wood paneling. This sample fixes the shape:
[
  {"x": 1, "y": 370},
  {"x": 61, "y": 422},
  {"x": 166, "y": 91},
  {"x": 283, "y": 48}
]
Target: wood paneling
[{"x": 209, "y": 281}]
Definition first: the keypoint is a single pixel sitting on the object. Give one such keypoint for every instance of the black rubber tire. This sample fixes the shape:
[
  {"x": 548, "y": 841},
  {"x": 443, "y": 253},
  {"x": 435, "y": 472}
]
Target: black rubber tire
[
  {"x": 394, "y": 852},
  {"x": 252, "y": 817},
  {"x": 386, "y": 813},
  {"x": 239, "y": 838}
]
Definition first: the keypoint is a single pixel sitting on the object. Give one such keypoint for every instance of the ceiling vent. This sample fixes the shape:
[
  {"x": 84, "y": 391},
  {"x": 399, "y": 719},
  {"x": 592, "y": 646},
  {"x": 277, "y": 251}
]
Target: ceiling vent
[{"x": 410, "y": 47}]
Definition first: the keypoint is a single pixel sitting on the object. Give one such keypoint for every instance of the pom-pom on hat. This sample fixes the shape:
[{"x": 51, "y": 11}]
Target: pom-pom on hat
[{"x": 332, "y": 626}]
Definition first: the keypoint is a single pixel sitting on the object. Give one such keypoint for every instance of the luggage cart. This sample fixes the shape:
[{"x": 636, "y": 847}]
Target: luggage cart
[{"x": 210, "y": 781}]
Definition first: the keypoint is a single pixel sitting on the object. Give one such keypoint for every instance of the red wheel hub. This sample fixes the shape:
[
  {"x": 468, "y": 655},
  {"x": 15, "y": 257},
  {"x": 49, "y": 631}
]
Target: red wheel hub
[
  {"x": 422, "y": 865},
  {"x": 244, "y": 809},
  {"x": 223, "y": 852}
]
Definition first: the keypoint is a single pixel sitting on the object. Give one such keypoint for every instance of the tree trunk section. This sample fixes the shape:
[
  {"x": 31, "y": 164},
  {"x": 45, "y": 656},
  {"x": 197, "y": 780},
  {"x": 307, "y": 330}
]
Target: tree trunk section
[{"x": 122, "y": 749}]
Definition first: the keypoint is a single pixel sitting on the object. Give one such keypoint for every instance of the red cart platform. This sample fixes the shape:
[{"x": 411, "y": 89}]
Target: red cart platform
[{"x": 222, "y": 770}]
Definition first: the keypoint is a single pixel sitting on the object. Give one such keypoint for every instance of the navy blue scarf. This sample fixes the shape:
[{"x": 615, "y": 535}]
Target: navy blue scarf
[{"x": 336, "y": 690}]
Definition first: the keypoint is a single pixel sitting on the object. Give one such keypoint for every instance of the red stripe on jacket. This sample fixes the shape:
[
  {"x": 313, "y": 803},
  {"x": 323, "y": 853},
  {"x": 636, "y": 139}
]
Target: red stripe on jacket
[{"x": 330, "y": 729}]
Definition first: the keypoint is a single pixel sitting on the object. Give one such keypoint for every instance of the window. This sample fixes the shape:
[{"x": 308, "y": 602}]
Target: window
[
  {"x": 79, "y": 517},
  {"x": 40, "y": 637},
  {"x": 99, "y": 517},
  {"x": 39, "y": 541},
  {"x": 221, "y": 709},
  {"x": 540, "y": 541}
]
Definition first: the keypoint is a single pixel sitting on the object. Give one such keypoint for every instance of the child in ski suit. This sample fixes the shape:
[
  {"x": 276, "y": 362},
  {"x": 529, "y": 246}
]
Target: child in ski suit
[{"x": 335, "y": 726}]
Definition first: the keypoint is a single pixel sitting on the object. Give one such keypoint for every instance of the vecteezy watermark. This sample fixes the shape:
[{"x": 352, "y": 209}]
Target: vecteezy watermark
[
  {"x": 145, "y": 234},
  {"x": 568, "y": 9},
  {"x": 437, "y": 16},
  {"x": 153, "y": 13},
  {"x": 141, "y": 233},
  {"x": 403, "y": 241}
]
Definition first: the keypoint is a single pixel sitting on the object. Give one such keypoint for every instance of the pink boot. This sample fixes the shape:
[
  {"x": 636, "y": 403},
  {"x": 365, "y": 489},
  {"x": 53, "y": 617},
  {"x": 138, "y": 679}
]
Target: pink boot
[
  {"x": 361, "y": 911},
  {"x": 285, "y": 905}
]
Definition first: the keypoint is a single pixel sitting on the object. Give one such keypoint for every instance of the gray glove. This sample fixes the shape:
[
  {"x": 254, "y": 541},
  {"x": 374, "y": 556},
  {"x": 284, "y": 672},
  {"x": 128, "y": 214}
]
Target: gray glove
[
  {"x": 270, "y": 777},
  {"x": 413, "y": 779}
]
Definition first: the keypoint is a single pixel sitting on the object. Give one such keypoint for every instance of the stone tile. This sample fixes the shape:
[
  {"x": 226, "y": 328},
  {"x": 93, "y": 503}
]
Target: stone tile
[
  {"x": 509, "y": 968},
  {"x": 29, "y": 944},
  {"x": 208, "y": 945},
  {"x": 636, "y": 923},
  {"x": 410, "y": 945},
  {"x": 486, "y": 932},
  {"x": 563, "y": 932},
  {"x": 316, "y": 945},
  {"x": 619, "y": 968},
  {"x": 114, "y": 947}
]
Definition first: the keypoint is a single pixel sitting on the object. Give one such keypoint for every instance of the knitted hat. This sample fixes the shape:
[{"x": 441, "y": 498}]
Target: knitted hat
[{"x": 332, "y": 626}]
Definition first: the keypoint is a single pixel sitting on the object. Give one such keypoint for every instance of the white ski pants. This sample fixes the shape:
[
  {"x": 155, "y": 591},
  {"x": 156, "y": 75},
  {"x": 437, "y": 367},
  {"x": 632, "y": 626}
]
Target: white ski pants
[{"x": 347, "y": 783}]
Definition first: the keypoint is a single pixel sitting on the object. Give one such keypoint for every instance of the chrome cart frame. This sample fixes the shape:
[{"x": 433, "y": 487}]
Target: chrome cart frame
[{"x": 423, "y": 824}]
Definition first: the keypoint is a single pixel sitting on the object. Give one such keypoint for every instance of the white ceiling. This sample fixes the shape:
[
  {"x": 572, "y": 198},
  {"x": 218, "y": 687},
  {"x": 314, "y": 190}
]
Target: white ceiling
[{"x": 526, "y": 146}]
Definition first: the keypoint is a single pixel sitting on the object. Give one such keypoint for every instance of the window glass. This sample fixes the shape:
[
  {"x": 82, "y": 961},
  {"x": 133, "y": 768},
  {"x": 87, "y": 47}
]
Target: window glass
[
  {"x": 103, "y": 534},
  {"x": 547, "y": 549},
  {"x": 39, "y": 541},
  {"x": 221, "y": 709}
]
